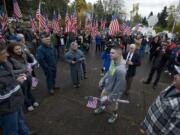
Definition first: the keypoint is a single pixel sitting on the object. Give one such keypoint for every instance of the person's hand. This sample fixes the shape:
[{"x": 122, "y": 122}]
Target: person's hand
[
  {"x": 21, "y": 78},
  {"x": 130, "y": 63},
  {"x": 81, "y": 59},
  {"x": 103, "y": 99},
  {"x": 73, "y": 62}
]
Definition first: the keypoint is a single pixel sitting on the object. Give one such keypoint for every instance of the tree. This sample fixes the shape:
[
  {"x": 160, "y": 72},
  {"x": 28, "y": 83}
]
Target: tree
[
  {"x": 112, "y": 7},
  {"x": 162, "y": 18},
  {"x": 151, "y": 14},
  {"x": 136, "y": 19},
  {"x": 170, "y": 22},
  {"x": 80, "y": 5},
  {"x": 144, "y": 21},
  {"x": 177, "y": 29},
  {"x": 99, "y": 10}
]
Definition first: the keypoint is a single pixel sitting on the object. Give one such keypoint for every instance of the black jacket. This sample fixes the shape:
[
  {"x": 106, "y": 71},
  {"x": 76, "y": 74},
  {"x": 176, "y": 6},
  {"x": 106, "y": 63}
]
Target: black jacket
[
  {"x": 11, "y": 96},
  {"x": 131, "y": 71},
  {"x": 160, "y": 60}
]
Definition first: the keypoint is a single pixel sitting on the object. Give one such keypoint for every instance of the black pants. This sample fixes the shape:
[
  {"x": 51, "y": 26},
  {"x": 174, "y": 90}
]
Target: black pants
[
  {"x": 151, "y": 74},
  {"x": 98, "y": 47},
  {"x": 84, "y": 68},
  {"x": 129, "y": 80},
  {"x": 26, "y": 87}
]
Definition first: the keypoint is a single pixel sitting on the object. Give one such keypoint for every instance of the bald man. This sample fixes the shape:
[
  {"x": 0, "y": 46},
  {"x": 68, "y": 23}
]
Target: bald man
[{"x": 132, "y": 61}]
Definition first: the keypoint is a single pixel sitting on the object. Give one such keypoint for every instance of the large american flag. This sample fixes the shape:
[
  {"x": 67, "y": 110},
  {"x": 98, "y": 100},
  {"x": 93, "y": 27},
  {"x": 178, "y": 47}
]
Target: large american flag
[
  {"x": 41, "y": 18},
  {"x": 4, "y": 21},
  {"x": 114, "y": 26},
  {"x": 55, "y": 22},
  {"x": 17, "y": 11}
]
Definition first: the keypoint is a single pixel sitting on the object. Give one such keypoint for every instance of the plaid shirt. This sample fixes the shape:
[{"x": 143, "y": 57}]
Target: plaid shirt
[{"x": 163, "y": 117}]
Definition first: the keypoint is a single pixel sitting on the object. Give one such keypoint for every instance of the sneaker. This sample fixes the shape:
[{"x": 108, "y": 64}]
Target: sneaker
[
  {"x": 113, "y": 118},
  {"x": 51, "y": 92},
  {"x": 36, "y": 104},
  {"x": 99, "y": 110},
  {"x": 30, "y": 108},
  {"x": 56, "y": 88},
  {"x": 146, "y": 82},
  {"x": 75, "y": 86},
  {"x": 166, "y": 71},
  {"x": 154, "y": 87}
]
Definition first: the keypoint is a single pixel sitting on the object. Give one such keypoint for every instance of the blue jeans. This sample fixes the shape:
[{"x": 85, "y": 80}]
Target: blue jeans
[
  {"x": 14, "y": 124},
  {"x": 50, "y": 78}
]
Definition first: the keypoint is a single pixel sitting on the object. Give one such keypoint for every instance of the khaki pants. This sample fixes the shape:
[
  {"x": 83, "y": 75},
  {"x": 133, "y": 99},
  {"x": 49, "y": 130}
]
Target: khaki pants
[{"x": 113, "y": 106}]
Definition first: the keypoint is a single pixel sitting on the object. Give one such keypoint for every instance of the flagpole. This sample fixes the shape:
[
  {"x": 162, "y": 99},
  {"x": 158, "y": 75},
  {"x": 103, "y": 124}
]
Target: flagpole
[
  {"x": 40, "y": 12},
  {"x": 4, "y": 2}
]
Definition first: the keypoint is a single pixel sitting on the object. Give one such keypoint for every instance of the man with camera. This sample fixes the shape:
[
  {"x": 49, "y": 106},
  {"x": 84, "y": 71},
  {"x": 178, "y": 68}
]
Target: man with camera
[{"x": 75, "y": 57}]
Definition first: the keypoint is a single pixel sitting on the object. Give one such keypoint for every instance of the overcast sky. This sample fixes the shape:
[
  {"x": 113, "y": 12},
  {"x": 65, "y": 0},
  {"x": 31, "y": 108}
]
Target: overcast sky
[{"x": 146, "y": 6}]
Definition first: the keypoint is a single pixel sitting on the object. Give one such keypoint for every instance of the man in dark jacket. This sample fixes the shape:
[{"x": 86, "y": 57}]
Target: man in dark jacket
[
  {"x": 132, "y": 61},
  {"x": 46, "y": 55},
  {"x": 159, "y": 63},
  {"x": 11, "y": 98}
]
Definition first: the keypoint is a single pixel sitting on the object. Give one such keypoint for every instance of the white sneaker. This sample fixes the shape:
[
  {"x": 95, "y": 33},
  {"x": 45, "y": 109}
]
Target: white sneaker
[
  {"x": 30, "y": 108},
  {"x": 36, "y": 104},
  {"x": 166, "y": 71},
  {"x": 113, "y": 118}
]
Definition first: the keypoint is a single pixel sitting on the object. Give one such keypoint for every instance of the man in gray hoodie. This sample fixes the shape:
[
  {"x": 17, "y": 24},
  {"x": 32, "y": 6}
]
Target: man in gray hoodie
[{"x": 113, "y": 84}]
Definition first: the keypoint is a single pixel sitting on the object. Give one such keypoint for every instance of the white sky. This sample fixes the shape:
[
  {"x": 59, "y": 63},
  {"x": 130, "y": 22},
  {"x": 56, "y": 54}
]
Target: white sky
[{"x": 146, "y": 6}]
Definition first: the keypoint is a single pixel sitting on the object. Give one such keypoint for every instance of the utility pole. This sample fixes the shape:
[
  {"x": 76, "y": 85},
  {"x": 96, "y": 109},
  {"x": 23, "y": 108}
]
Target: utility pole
[{"x": 176, "y": 13}]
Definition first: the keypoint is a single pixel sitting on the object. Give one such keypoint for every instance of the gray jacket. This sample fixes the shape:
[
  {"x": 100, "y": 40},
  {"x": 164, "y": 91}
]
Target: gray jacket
[{"x": 115, "y": 85}]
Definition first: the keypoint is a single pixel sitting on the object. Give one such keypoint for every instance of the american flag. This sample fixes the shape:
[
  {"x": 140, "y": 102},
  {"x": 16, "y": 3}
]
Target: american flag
[
  {"x": 114, "y": 26},
  {"x": 73, "y": 21},
  {"x": 88, "y": 24},
  {"x": 137, "y": 26},
  {"x": 126, "y": 28},
  {"x": 92, "y": 102},
  {"x": 103, "y": 25},
  {"x": 41, "y": 18},
  {"x": 67, "y": 23},
  {"x": 33, "y": 23},
  {"x": 88, "y": 21},
  {"x": 17, "y": 11},
  {"x": 4, "y": 21},
  {"x": 46, "y": 27},
  {"x": 94, "y": 28},
  {"x": 55, "y": 22}
]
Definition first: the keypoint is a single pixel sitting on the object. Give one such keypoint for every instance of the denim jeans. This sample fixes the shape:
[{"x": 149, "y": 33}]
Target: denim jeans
[
  {"x": 14, "y": 123},
  {"x": 50, "y": 78}
]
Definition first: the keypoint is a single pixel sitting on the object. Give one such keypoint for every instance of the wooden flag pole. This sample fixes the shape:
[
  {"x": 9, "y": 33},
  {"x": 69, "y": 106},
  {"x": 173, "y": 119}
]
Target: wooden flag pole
[{"x": 4, "y": 2}]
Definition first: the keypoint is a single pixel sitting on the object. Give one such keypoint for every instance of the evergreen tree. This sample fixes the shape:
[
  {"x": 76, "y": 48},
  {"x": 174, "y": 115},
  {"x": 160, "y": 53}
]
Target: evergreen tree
[
  {"x": 144, "y": 21},
  {"x": 162, "y": 18}
]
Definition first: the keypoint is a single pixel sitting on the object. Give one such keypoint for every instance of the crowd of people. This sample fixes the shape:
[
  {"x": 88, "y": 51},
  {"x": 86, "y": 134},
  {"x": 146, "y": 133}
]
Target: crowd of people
[{"x": 22, "y": 51}]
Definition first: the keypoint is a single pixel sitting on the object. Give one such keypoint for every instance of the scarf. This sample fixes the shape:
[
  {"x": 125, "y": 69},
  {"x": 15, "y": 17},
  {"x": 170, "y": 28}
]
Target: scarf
[{"x": 112, "y": 68}]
